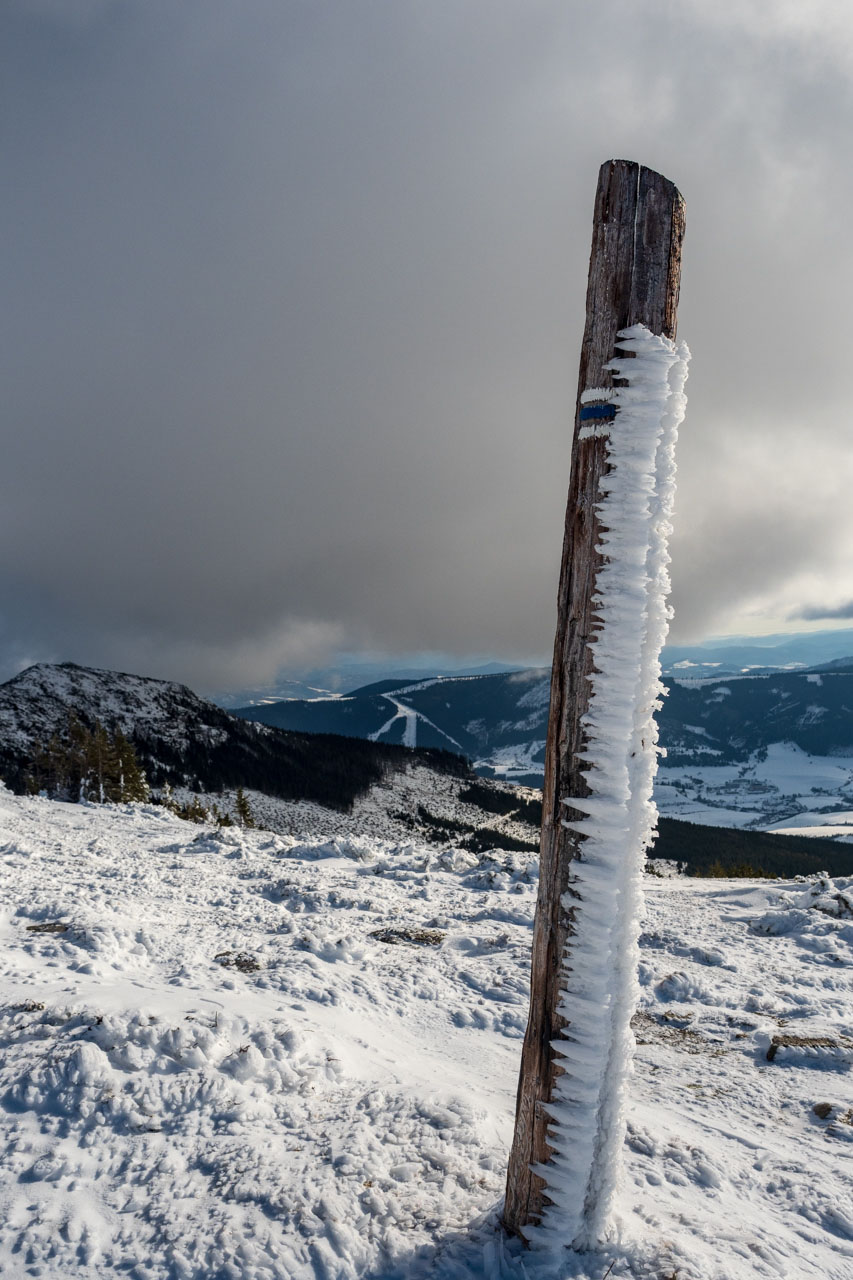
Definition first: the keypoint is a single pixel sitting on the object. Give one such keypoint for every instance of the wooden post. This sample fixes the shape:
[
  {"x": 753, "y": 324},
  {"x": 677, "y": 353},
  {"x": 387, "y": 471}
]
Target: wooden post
[{"x": 634, "y": 277}]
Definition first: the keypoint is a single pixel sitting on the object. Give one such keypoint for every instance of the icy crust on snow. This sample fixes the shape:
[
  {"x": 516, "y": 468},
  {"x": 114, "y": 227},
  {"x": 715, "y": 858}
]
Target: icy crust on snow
[
  {"x": 211, "y": 1067},
  {"x": 599, "y": 988}
]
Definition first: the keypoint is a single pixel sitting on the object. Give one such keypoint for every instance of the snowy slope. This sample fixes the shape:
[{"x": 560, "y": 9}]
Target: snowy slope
[
  {"x": 36, "y": 702},
  {"x": 225, "y": 1065},
  {"x": 415, "y": 803}
]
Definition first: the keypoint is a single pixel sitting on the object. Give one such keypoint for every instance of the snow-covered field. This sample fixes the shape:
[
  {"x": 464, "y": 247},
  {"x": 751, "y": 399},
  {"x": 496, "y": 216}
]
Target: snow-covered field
[
  {"x": 782, "y": 792},
  {"x": 787, "y": 790},
  {"x": 221, "y": 1060}
]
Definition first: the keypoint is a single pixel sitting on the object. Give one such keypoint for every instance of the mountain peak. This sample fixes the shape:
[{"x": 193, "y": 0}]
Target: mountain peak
[{"x": 189, "y": 741}]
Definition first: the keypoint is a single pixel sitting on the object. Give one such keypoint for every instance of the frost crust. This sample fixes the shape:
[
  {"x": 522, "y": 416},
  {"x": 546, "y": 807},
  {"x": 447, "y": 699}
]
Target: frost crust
[{"x": 599, "y": 983}]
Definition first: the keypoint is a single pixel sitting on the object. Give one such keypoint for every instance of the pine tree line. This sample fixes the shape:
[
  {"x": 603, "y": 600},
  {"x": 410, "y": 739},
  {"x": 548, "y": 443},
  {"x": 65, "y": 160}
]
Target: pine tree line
[
  {"x": 83, "y": 764},
  {"x": 194, "y": 811}
]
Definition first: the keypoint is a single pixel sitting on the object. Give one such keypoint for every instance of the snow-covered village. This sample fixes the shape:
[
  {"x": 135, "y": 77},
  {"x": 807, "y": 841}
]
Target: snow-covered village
[{"x": 426, "y": 774}]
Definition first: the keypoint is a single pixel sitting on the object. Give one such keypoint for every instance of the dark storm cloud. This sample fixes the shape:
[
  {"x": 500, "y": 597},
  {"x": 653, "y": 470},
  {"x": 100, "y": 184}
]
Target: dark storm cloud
[
  {"x": 816, "y": 613},
  {"x": 294, "y": 298}
]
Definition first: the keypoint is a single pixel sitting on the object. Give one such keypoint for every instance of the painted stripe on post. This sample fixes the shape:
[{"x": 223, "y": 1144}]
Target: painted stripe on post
[{"x": 602, "y": 412}]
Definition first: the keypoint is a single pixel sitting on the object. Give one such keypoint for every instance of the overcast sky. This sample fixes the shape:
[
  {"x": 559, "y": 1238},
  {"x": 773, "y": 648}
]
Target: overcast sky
[{"x": 292, "y": 302}]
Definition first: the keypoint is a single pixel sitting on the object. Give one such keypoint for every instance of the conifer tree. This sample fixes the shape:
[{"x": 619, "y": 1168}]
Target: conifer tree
[
  {"x": 74, "y": 760},
  {"x": 242, "y": 809},
  {"x": 217, "y": 815},
  {"x": 103, "y": 767},
  {"x": 49, "y": 769},
  {"x": 132, "y": 783},
  {"x": 193, "y": 811},
  {"x": 81, "y": 764},
  {"x": 42, "y": 773}
]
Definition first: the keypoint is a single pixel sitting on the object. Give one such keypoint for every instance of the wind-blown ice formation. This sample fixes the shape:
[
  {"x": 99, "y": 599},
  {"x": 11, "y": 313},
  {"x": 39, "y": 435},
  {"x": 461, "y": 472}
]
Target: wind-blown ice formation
[{"x": 599, "y": 966}]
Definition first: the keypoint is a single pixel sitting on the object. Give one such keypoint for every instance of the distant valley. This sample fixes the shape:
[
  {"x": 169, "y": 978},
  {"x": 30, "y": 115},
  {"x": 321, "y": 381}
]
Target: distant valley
[
  {"x": 404, "y": 775},
  {"x": 499, "y": 721},
  {"x": 766, "y": 751}
]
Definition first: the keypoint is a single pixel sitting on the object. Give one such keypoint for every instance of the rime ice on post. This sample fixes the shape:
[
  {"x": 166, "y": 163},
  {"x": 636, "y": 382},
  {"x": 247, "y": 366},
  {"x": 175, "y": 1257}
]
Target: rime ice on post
[
  {"x": 598, "y": 983},
  {"x": 602, "y": 754}
]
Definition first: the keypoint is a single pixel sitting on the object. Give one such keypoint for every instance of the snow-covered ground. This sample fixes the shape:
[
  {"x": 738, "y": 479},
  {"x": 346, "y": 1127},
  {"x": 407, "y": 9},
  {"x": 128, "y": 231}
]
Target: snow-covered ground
[
  {"x": 220, "y": 1059},
  {"x": 781, "y": 792},
  {"x": 386, "y": 812}
]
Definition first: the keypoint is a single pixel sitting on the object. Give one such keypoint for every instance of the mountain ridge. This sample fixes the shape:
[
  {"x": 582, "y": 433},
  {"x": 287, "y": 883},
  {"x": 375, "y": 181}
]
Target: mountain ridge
[
  {"x": 190, "y": 742},
  {"x": 346, "y": 787},
  {"x": 500, "y": 720}
]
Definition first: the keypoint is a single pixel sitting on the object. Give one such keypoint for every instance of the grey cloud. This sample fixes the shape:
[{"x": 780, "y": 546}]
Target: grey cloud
[
  {"x": 296, "y": 301},
  {"x": 816, "y": 613}
]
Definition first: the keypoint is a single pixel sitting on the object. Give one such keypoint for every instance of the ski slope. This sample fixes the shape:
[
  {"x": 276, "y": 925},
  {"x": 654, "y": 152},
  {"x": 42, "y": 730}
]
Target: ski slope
[{"x": 410, "y": 718}]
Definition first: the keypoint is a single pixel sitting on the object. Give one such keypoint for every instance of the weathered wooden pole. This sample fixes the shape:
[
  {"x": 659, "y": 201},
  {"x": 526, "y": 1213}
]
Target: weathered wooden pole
[{"x": 634, "y": 277}]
